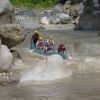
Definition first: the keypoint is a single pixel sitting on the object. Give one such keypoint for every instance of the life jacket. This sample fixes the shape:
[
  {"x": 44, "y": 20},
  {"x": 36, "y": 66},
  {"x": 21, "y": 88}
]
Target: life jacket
[
  {"x": 45, "y": 43},
  {"x": 39, "y": 44},
  {"x": 35, "y": 38},
  {"x": 50, "y": 44},
  {"x": 61, "y": 49}
]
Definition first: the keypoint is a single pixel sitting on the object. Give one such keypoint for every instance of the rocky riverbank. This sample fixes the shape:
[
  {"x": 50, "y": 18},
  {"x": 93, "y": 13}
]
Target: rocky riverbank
[
  {"x": 12, "y": 33},
  {"x": 7, "y": 78}
]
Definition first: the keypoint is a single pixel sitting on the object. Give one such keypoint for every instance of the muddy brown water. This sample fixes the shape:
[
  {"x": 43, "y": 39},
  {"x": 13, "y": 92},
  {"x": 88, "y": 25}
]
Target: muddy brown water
[{"x": 84, "y": 84}]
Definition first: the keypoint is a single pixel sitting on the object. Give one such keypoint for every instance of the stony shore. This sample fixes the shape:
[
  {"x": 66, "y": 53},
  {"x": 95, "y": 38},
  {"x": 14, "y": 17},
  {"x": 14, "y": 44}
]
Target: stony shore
[{"x": 8, "y": 78}]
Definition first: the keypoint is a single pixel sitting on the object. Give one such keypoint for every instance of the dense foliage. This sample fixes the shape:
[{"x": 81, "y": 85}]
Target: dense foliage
[{"x": 33, "y": 3}]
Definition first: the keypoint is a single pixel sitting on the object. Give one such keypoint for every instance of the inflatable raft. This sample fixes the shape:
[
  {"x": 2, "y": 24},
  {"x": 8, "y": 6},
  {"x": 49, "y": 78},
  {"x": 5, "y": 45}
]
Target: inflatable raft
[{"x": 40, "y": 51}]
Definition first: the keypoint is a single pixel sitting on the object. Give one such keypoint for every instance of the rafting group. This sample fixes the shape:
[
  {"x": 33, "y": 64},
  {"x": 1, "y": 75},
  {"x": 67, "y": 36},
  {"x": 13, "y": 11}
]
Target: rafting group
[{"x": 46, "y": 47}]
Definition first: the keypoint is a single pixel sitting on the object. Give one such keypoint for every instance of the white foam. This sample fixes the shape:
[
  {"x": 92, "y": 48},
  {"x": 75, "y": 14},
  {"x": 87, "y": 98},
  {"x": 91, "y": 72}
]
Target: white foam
[{"x": 50, "y": 69}]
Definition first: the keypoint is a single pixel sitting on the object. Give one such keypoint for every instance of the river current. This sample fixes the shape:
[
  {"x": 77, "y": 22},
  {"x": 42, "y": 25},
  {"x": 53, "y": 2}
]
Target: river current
[{"x": 82, "y": 84}]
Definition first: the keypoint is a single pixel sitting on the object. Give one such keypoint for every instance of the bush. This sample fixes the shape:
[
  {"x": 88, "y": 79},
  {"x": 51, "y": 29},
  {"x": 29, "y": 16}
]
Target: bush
[{"x": 33, "y": 3}]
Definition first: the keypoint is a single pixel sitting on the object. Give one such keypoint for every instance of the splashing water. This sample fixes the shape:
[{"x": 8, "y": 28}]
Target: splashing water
[{"x": 50, "y": 69}]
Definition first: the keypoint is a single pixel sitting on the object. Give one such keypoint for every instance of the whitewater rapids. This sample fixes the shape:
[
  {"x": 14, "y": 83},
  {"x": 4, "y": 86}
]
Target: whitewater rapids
[{"x": 52, "y": 68}]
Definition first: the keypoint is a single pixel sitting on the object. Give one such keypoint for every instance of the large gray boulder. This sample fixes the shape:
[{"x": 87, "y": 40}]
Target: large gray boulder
[
  {"x": 73, "y": 10},
  {"x": 11, "y": 34},
  {"x": 90, "y": 18},
  {"x": 5, "y": 57},
  {"x": 6, "y": 12}
]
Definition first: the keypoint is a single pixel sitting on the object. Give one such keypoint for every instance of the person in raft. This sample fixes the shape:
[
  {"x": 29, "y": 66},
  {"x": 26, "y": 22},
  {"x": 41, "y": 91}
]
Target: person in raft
[
  {"x": 50, "y": 47},
  {"x": 34, "y": 39},
  {"x": 61, "y": 48},
  {"x": 39, "y": 43}
]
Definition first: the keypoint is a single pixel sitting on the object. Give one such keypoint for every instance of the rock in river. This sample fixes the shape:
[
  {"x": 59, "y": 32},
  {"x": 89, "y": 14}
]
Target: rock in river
[
  {"x": 6, "y": 12},
  {"x": 90, "y": 18},
  {"x": 11, "y": 34},
  {"x": 5, "y": 57}
]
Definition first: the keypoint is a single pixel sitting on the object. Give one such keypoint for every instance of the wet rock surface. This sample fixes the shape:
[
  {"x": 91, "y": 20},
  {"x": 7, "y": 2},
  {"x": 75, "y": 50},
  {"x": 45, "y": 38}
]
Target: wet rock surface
[
  {"x": 11, "y": 34},
  {"x": 6, "y": 12},
  {"x": 7, "y": 78},
  {"x": 74, "y": 10},
  {"x": 5, "y": 57},
  {"x": 90, "y": 18}
]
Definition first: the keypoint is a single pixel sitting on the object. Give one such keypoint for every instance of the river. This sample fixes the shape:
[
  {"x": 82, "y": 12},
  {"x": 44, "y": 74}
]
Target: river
[{"x": 83, "y": 84}]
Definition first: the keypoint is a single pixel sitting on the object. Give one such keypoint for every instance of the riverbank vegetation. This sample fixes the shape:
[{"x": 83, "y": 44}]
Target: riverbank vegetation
[{"x": 34, "y": 3}]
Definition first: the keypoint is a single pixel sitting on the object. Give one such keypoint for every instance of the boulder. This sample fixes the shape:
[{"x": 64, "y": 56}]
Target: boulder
[
  {"x": 11, "y": 34},
  {"x": 66, "y": 7},
  {"x": 6, "y": 57},
  {"x": 73, "y": 10},
  {"x": 6, "y": 12},
  {"x": 90, "y": 18}
]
